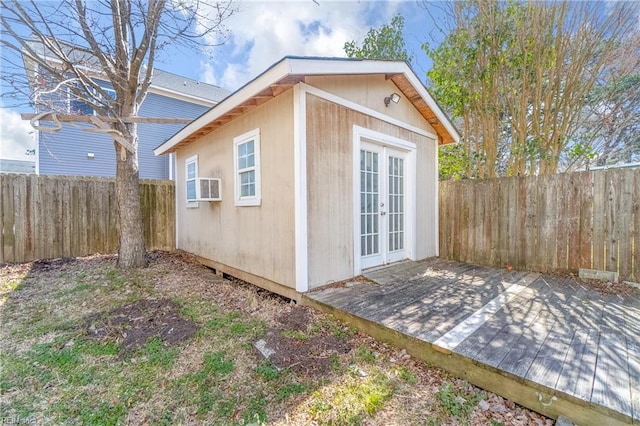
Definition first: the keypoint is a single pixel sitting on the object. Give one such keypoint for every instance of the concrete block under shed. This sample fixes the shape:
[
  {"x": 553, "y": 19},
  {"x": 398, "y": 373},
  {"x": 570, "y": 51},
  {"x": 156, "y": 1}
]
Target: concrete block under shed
[
  {"x": 563, "y": 421},
  {"x": 594, "y": 274},
  {"x": 632, "y": 284}
]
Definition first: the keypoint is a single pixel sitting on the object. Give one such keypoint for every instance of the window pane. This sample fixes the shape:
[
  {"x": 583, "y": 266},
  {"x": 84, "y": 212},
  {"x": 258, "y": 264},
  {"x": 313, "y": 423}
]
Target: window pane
[
  {"x": 251, "y": 160},
  {"x": 247, "y": 184},
  {"x": 242, "y": 163},
  {"x": 249, "y": 147},
  {"x": 191, "y": 171},
  {"x": 191, "y": 190}
]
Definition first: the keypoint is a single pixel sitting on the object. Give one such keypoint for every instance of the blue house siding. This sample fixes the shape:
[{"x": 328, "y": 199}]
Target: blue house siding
[{"x": 66, "y": 152}]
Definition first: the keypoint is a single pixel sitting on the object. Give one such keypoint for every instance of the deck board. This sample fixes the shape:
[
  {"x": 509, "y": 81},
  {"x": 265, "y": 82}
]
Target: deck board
[
  {"x": 510, "y": 328},
  {"x": 576, "y": 377},
  {"x": 634, "y": 376},
  {"x": 611, "y": 384},
  {"x": 555, "y": 333},
  {"x": 548, "y": 363}
]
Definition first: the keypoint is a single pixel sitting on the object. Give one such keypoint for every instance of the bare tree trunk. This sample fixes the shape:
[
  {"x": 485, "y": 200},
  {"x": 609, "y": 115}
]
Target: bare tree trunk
[{"x": 131, "y": 251}]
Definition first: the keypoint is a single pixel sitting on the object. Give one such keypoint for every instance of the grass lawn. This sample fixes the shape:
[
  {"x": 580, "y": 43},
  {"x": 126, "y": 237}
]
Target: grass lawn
[{"x": 85, "y": 343}]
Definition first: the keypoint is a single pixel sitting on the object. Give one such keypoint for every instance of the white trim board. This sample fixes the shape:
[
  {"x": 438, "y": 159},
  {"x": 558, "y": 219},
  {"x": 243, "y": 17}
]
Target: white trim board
[
  {"x": 162, "y": 91},
  {"x": 373, "y": 137},
  {"x": 300, "y": 189}
]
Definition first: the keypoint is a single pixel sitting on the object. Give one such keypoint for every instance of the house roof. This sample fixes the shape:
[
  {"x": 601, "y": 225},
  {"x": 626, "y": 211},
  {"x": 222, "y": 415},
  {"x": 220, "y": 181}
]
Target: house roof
[
  {"x": 186, "y": 86},
  {"x": 291, "y": 70},
  {"x": 167, "y": 83}
]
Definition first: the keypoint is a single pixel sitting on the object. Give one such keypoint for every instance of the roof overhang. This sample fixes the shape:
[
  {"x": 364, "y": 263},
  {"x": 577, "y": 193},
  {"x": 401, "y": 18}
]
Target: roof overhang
[{"x": 291, "y": 70}]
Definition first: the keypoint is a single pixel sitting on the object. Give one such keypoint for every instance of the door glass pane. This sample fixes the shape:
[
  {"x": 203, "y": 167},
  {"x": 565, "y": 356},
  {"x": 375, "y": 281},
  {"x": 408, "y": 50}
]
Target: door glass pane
[
  {"x": 396, "y": 204},
  {"x": 369, "y": 208}
]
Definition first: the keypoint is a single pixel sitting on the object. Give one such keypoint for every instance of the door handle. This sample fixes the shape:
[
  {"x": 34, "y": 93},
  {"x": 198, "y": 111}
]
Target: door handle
[{"x": 383, "y": 213}]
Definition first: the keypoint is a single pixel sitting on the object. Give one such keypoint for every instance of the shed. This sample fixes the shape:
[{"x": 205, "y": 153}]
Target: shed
[{"x": 312, "y": 172}]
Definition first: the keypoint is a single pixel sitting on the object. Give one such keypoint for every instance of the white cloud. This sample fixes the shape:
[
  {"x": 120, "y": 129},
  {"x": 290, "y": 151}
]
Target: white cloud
[
  {"x": 16, "y": 136},
  {"x": 262, "y": 32}
]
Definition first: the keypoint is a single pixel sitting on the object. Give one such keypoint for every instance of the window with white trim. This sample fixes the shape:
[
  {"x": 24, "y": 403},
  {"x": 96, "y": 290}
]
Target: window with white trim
[
  {"x": 191, "y": 172},
  {"x": 50, "y": 95},
  {"x": 246, "y": 156}
]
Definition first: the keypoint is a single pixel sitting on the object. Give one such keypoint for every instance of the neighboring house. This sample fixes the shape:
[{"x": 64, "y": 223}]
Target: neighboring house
[
  {"x": 327, "y": 167},
  {"x": 17, "y": 166},
  {"x": 73, "y": 151}
]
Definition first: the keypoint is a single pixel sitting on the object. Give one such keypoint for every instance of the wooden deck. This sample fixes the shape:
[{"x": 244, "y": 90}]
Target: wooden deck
[{"x": 545, "y": 342}]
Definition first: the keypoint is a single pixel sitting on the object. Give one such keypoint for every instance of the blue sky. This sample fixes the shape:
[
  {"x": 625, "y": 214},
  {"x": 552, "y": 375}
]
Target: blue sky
[{"x": 261, "y": 33}]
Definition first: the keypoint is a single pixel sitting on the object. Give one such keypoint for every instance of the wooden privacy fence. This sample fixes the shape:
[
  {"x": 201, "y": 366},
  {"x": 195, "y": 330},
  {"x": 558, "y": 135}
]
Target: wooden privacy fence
[
  {"x": 45, "y": 217},
  {"x": 550, "y": 223}
]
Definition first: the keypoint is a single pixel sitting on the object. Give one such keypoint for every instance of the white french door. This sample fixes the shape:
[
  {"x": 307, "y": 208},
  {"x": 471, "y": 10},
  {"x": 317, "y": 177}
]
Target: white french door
[{"x": 383, "y": 205}]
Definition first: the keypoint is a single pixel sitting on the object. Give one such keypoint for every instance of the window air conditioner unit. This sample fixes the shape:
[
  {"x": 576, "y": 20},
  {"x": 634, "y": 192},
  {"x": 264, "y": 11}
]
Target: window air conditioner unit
[{"x": 208, "y": 189}]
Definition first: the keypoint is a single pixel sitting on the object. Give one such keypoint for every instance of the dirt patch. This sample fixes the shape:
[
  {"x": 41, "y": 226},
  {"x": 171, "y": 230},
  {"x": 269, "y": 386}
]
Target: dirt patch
[
  {"x": 51, "y": 264},
  {"x": 303, "y": 347},
  {"x": 134, "y": 325}
]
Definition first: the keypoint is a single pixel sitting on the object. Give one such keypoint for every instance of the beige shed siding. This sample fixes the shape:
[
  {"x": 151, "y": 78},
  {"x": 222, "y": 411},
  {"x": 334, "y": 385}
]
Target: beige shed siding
[
  {"x": 260, "y": 239},
  {"x": 370, "y": 91},
  {"x": 330, "y": 188}
]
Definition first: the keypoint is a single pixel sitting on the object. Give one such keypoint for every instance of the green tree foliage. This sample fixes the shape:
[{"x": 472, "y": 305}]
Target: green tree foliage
[
  {"x": 385, "y": 42},
  {"x": 518, "y": 77}
]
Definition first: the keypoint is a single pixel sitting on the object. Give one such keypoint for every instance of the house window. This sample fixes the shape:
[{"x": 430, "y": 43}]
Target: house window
[
  {"x": 49, "y": 96},
  {"x": 246, "y": 153},
  {"x": 191, "y": 171}
]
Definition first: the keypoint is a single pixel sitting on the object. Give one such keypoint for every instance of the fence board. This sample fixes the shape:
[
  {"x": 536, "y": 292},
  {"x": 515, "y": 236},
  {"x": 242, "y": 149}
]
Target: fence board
[
  {"x": 624, "y": 204},
  {"x": 636, "y": 228},
  {"x": 599, "y": 220},
  {"x": 43, "y": 217},
  {"x": 531, "y": 227},
  {"x": 586, "y": 222},
  {"x": 612, "y": 230},
  {"x": 8, "y": 211},
  {"x": 563, "y": 218},
  {"x": 19, "y": 190},
  {"x": 547, "y": 223},
  {"x": 571, "y": 245}
]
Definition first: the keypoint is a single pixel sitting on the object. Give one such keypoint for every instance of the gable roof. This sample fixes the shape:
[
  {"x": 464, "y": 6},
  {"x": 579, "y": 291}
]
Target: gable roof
[
  {"x": 187, "y": 86},
  {"x": 291, "y": 70},
  {"x": 164, "y": 82}
]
